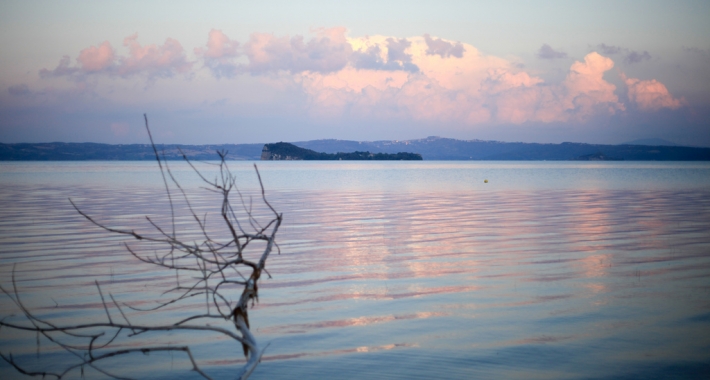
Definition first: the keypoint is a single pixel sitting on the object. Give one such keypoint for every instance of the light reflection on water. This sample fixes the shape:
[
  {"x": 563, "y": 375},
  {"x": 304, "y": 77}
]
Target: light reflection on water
[{"x": 553, "y": 270}]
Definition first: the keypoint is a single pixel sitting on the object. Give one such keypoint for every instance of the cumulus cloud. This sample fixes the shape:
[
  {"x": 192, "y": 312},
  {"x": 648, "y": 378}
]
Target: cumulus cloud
[
  {"x": 444, "y": 49},
  {"x": 547, "y": 52},
  {"x": 609, "y": 49},
  {"x": 382, "y": 53},
  {"x": 474, "y": 88},
  {"x": 369, "y": 58},
  {"x": 630, "y": 56},
  {"x": 219, "y": 54},
  {"x": 93, "y": 59},
  {"x": 397, "y": 54},
  {"x": 327, "y": 52},
  {"x": 151, "y": 60},
  {"x": 154, "y": 60},
  {"x": 219, "y": 46},
  {"x": 582, "y": 95},
  {"x": 586, "y": 88},
  {"x": 421, "y": 78},
  {"x": 636, "y": 57},
  {"x": 63, "y": 69},
  {"x": 650, "y": 95}
]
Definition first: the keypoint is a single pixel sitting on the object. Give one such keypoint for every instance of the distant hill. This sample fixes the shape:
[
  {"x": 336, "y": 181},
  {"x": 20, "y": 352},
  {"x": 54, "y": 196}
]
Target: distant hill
[
  {"x": 286, "y": 151},
  {"x": 430, "y": 148},
  {"x": 126, "y": 152},
  {"x": 438, "y": 148},
  {"x": 651, "y": 142}
]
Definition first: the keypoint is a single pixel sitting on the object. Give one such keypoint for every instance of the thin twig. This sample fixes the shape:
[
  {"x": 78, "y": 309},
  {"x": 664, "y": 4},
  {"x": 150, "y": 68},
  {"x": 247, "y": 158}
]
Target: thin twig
[{"x": 221, "y": 265}]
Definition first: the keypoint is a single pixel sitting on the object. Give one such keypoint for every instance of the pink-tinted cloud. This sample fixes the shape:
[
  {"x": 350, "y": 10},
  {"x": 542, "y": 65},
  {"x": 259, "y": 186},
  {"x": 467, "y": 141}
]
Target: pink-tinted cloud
[
  {"x": 518, "y": 98},
  {"x": 219, "y": 54},
  {"x": 219, "y": 46},
  {"x": 650, "y": 95},
  {"x": 586, "y": 90},
  {"x": 418, "y": 78},
  {"x": 327, "y": 52},
  {"x": 94, "y": 59},
  {"x": 153, "y": 60},
  {"x": 150, "y": 60},
  {"x": 470, "y": 89},
  {"x": 444, "y": 49}
]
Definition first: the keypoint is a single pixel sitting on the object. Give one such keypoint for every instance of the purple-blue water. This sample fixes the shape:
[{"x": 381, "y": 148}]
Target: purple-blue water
[{"x": 394, "y": 270}]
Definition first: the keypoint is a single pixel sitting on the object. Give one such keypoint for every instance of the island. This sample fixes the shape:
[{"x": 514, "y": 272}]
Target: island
[
  {"x": 599, "y": 156},
  {"x": 286, "y": 151}
]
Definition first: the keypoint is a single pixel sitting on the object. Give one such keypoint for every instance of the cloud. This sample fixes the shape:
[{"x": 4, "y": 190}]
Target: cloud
[
  {"x": 219, "y": 54},
  {"x": 219, "y": 46},
  {"x": 153, "y": 60},
  {"x": 471, "y": 89},
  {"x": 444, "y": 49},
  {"x": 704, "y": 53},
  {"x": 382, "y": 53},
  {"x": 397, "y": 54},
  {"x": 150, "y": 60},
  {"x": 94, "y": 59},
  {"x": 650, "y": 95},
  {"x": 582, "y": 95},
  {"x": 586, "y": 88},
  {"x": 62, "y": 69},
  {"x": 19, "y": 90},
  {"x": 547, "y": 52},
  {"x": 424, "y": 78},
  {"x": 631, "y": 56},
  {"x": 636, "y": 57},
  {"x": 327, "y": 52},
  {"x": 609, "y": 49}
]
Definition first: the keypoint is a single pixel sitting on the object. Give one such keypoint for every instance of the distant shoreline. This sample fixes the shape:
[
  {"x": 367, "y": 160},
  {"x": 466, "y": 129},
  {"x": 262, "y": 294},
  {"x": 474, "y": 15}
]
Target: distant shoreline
[{"x": 431, "y": 148}]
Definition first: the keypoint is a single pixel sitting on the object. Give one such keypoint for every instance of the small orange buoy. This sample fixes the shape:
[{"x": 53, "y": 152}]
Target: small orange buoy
[{"x": 485, "y": 181}]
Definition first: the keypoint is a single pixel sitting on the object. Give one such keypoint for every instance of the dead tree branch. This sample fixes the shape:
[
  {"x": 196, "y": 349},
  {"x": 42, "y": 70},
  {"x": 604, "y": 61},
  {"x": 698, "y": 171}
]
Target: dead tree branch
[{"x": 216, "y": 268}]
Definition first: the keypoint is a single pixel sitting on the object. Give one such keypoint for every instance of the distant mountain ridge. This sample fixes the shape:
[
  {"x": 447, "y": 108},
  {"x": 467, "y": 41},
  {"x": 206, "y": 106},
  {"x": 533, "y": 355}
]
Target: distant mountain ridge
[
  {"x": 123, "y": 152},
  {"x": 652, "y": 142},
  {"x": 430, "y": 148},
  {"x": 438, "y": 148}
]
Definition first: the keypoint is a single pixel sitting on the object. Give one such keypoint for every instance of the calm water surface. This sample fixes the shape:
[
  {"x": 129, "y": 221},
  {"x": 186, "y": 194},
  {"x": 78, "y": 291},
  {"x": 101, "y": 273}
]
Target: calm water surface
[{"x": 395, "y": 270}]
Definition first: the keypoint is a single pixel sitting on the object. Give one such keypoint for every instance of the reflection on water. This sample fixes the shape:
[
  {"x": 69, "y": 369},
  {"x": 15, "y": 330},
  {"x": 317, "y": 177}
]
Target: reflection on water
[{"x": 504, "y": 281}]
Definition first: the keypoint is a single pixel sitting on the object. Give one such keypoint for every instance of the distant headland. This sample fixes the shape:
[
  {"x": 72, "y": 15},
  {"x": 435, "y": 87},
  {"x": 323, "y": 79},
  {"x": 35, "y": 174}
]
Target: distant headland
[
  {"x": 286, "y": 151},
  {"x": 430, "y": 148}
]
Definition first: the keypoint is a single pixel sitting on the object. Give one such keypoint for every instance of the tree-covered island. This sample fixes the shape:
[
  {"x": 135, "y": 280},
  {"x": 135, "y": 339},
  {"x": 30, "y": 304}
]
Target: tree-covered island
[{"x": 286, "y": 151}]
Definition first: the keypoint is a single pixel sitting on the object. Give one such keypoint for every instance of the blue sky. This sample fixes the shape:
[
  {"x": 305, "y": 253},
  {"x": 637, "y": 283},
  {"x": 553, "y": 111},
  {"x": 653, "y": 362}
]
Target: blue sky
[{"x": 242, "y": 72}]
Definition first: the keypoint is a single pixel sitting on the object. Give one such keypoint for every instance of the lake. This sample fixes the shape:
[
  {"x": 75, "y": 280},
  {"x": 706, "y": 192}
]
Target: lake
[{"x": 392, "y": 270}]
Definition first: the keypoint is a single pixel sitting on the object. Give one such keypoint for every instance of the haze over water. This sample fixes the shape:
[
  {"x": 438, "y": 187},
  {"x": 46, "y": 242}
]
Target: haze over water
[{"x": 398, "y": 270}]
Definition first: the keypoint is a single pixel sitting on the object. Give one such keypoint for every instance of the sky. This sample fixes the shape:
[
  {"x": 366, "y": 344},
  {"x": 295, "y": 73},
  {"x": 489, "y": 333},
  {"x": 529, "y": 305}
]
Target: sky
[{"x": 231, "y": 72}]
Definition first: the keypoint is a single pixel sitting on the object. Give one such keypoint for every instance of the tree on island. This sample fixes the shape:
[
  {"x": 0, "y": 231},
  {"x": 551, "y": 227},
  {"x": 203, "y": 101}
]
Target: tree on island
[
  {"x": 288, "y": 151},
  {"x": 216, "y": 269}
]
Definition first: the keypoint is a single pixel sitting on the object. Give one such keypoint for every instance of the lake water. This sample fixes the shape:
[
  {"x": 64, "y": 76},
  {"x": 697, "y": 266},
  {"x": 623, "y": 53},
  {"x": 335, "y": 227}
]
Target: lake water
[{"x": 396, "y": 270}]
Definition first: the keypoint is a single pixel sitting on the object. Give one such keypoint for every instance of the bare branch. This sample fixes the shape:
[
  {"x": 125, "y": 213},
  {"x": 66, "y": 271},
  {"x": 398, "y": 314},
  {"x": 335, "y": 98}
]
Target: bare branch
[{"x": 214, "y": 267}]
